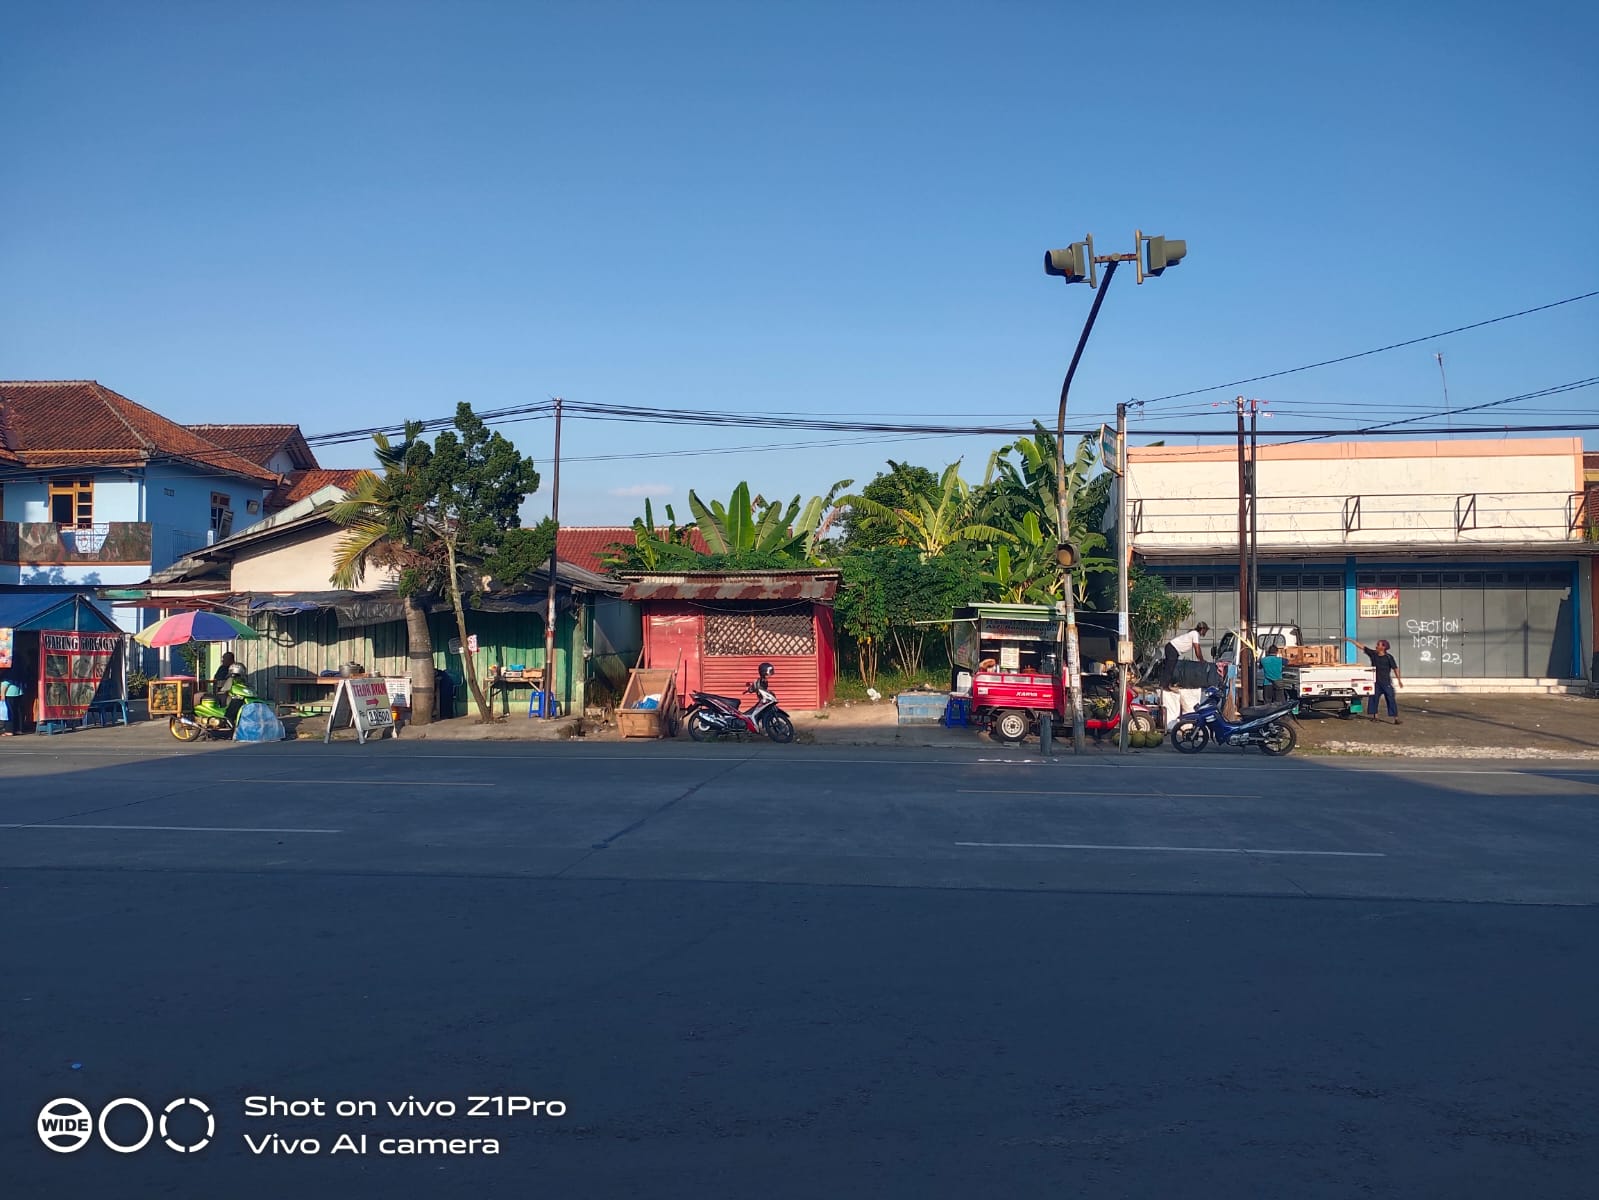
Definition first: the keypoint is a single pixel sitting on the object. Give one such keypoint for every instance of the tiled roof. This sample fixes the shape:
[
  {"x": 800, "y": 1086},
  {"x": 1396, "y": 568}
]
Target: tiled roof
[
  {"x": 259, "y": 443},
  {"x": 80, "y": 422},
  {"x": 731, "y": 585},
  {"x": 297, "y": 485},
  {"x": 586, "y": 545}
]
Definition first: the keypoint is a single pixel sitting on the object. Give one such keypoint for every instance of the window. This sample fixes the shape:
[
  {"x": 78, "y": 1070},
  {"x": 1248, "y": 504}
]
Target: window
[
  {"x": 221, "y": 515},
  {"x": 779, "y": 634},
  {"x": 72, "y": 503}
]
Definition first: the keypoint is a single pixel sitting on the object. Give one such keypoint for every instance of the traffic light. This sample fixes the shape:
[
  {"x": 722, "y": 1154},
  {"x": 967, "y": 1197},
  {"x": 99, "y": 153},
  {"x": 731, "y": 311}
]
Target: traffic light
[
  {"x": 1071, "y": 264},
  {"x": 1163, "y": 253},
  {"x": 1067, "y": 554}
]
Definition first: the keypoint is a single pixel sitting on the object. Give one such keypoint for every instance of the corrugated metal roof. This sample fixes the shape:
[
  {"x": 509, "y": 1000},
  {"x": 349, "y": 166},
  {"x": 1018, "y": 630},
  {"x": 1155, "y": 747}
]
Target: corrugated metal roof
[
  {"x": 53, "y": 610},
  {"x": 733, "y": 585}
]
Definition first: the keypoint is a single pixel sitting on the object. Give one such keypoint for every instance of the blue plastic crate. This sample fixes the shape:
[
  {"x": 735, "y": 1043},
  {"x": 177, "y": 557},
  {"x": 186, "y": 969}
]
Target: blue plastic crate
[{"x": 922, "y": 708}]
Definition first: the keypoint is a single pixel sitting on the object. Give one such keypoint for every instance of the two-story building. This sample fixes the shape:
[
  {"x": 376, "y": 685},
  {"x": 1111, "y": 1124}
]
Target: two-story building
[
  {"x": 97, "y": 491},
  {"x": 1470, "y": 557}
]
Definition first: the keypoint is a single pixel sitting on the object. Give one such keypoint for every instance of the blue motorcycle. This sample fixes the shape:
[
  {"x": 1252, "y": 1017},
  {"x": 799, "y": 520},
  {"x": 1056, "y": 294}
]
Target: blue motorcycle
[{"x": 1264, "y": 726}]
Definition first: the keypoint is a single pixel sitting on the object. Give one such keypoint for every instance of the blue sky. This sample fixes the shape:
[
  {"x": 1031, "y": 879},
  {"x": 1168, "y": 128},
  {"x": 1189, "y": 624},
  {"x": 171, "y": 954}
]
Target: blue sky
[{"x": 347, "y": 214}]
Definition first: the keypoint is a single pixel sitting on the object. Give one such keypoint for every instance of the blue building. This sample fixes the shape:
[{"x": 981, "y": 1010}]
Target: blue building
[{"x": 99, "y": 492}]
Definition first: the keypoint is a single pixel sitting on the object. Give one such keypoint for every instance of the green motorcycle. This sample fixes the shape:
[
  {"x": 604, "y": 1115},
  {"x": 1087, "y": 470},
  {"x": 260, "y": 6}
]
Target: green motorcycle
[{"x": 214, "y": 716}]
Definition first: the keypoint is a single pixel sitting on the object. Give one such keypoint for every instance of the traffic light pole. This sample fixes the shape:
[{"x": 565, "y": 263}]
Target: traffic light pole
[
  {"x": 1243, "y": 661},
  {"x": 1068, "y": 625},
  {"x": 1124, "y": 551}
]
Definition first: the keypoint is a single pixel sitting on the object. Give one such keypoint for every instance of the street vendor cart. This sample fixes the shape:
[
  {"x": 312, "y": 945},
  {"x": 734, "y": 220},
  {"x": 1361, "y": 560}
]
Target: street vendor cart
[{"x": 1006, "y": 656}]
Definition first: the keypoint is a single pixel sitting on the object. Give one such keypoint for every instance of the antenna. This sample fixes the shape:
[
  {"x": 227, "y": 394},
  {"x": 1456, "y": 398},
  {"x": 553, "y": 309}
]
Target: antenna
[{"x": 1448, "y": 412}]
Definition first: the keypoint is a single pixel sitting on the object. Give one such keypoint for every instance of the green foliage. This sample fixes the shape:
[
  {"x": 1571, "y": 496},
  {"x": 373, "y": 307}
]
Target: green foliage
[
  {"x": 1154, "y": 611},
  {"x": 900, "y": 487},
  {"x": 743, "y": 534},
  {"x": 899, "y": 597},
  {"x": 931, "y": 525}
]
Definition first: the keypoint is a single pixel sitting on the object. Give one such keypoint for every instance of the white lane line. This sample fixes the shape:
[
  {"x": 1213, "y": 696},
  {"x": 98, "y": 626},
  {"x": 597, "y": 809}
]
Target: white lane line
[
  {"x": 1171, "y": 849},
  {"x": 365, "y": 783},
  {"x": 1150, "y": 795},
  {"x": 174, "y": 828}
]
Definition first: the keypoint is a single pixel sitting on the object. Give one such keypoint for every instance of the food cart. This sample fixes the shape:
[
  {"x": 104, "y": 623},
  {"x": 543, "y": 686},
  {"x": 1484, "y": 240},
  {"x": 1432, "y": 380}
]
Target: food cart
[{"x": 1006, "y": 656}]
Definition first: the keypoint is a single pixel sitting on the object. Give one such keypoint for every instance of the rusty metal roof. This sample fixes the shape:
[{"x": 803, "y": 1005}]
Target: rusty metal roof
[{"x": 732, "y": 585}]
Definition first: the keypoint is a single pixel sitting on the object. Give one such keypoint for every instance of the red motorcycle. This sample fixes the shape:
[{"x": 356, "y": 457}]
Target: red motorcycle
[{"x": 712, "y": 716}]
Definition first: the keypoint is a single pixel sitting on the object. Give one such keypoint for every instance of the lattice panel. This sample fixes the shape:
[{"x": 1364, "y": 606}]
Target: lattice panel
[{"x": 772, "y": 634}]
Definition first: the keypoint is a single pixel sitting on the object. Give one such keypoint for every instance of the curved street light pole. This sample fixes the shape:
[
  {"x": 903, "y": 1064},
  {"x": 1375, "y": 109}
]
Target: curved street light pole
[{"x": 1068, "y": 626}]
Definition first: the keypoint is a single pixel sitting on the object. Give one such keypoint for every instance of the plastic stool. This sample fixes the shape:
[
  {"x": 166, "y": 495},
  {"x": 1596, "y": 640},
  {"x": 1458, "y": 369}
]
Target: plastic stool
[
  {"x": 958, "y": 711},
  {"x": 535, "y": 705}
]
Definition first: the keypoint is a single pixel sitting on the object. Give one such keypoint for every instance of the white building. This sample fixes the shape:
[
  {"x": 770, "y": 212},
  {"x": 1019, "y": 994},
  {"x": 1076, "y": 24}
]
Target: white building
[{"x": 1470, "y": 557}]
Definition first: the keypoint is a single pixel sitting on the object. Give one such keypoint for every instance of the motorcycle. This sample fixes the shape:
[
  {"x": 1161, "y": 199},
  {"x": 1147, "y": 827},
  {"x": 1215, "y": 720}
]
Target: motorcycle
[
  {"x": 712, "y": 716},
  {"x": 212, "y": 718},
  {"x": 1262, "y": 726}
]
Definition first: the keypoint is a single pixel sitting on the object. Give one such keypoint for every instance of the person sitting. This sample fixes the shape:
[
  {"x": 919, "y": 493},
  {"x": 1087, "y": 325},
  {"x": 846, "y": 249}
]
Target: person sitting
[{"x": 220, "y": 681}]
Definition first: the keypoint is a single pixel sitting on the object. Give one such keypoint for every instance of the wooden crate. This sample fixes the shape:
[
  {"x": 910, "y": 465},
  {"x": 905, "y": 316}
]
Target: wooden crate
[
  {"x": 649, "y": 722},
  {"x": 170, "y": 697},
  {"x": 1310, "y": 656}
]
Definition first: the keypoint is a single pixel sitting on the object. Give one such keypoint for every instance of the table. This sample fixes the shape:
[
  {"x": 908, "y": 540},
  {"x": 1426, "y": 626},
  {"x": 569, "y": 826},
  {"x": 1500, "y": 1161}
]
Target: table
[
  {"x": 532, "y": 680},
  {"x": 287, "y": 683}
]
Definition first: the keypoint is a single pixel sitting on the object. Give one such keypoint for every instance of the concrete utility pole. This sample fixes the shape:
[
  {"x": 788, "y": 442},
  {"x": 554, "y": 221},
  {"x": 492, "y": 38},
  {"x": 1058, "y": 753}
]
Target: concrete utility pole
[
  {"x": 1244, "y": 598},
  {"x": 1254, "y": 538},
  {"x": 1074, "y": 264},
  {"x": 548, "y": 682}
]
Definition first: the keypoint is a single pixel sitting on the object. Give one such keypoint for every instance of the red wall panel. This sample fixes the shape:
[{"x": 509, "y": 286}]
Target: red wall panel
[{"x": 795, "y": 682}]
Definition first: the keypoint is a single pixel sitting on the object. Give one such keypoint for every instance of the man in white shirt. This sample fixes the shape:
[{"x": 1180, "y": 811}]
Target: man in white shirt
[{"x": 1177, "y": 647}]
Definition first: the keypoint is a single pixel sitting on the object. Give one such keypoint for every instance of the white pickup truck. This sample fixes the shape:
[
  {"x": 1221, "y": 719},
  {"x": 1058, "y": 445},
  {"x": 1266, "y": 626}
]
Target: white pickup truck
[{"x": 1332, "y": 689}]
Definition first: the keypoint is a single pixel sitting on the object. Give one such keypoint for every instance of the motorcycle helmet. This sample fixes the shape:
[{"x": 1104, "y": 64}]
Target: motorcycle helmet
[
  {"x": 235, "y": 671},
  {"x": 766, "y": 671}
]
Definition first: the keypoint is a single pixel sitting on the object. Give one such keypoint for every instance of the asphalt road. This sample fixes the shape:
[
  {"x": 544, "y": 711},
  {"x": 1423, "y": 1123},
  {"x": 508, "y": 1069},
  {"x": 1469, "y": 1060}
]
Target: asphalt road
[{"x": 795, "y": 971}]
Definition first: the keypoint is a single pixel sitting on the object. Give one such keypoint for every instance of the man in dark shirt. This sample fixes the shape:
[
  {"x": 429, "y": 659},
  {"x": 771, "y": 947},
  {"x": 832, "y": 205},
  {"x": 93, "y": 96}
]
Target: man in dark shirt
[{"x": 1388, "y": 677}]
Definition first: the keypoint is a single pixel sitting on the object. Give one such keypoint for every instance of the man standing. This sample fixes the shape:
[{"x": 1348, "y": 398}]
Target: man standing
[
  {"x": 1271, "y": 673},
  {"x": 1388, "y": 676},
  {"x": 1177, "y": 647}
]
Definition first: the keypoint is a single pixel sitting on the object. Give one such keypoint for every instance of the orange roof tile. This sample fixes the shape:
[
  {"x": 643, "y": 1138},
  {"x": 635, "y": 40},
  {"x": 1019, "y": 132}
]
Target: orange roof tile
[{"x": 57, "y": 422}]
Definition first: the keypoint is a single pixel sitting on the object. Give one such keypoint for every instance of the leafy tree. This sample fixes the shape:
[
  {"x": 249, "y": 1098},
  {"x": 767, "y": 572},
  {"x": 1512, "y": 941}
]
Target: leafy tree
[
  {"x": 384, "y": 516},
  {"x": 476, "y": 481},
  {"x": 934, "y": 525},
  {"x": 898, "y": 596},
  {"x": 861, "y": 610},
  {"x": 900, "y": 487},
  {"x": 1153, "y": 611}
]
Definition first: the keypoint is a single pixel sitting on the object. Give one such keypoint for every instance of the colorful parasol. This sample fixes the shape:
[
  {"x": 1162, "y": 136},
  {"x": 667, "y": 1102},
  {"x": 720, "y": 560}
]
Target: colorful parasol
[{"x": 184, "y": 627}]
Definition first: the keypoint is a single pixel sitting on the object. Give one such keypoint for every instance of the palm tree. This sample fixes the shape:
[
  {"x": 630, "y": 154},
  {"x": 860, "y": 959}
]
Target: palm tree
[{"x": 382, "y": 514}]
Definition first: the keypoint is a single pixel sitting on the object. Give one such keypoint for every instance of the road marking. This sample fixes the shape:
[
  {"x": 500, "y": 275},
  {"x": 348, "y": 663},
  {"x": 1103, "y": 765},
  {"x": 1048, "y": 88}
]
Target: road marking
[
  {"x": 1171, "y": 849},
  {"x": 174, "y": 828},
  {"x": 427, "y": 783},
  {"x": 1151, "y": 795}
]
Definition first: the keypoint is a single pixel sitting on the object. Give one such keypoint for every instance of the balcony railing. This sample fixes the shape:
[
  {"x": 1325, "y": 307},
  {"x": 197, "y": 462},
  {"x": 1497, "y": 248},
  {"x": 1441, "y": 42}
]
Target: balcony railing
[{"x": 42, "y": 544}]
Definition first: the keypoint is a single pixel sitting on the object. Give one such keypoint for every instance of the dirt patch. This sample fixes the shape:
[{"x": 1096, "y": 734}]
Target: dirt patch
[{"x": 1503, "y": 726}]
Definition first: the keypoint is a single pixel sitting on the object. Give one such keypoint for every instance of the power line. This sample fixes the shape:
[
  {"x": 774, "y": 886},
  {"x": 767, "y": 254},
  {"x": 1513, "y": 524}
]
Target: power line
[{"x": 1328, "y": 362}]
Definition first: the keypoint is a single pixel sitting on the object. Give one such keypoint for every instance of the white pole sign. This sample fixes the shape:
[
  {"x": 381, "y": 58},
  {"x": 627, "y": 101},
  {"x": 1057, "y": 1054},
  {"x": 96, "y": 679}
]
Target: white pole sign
[{"x": 366, "y": 701}]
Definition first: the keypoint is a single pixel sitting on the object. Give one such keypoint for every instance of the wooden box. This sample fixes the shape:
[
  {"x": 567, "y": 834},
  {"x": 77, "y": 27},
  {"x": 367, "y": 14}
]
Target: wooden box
[
  {"x": 1310, "y": 656},
  {"x": 649, "y": 722},
  {"x": 170, "y": 697}
]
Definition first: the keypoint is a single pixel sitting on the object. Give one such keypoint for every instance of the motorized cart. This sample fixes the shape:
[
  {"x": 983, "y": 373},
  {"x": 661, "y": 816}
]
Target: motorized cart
[{"x": 1007, "y": 656}]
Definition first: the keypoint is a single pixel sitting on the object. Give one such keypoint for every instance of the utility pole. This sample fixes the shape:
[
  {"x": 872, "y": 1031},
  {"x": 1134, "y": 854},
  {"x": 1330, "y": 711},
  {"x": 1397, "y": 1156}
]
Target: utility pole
[
  {"x": 1124, "y": 555},
  {"x": 548, "y": 682},
  {"x": 1254, "y": 537},
  {"x": 1244, "y": 598},
  {"x": 1074, "y": 264}
]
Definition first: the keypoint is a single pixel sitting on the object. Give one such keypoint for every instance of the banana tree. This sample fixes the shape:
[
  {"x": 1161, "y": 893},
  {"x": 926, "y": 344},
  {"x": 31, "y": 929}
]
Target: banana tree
[{"x": 933, "y": 526}]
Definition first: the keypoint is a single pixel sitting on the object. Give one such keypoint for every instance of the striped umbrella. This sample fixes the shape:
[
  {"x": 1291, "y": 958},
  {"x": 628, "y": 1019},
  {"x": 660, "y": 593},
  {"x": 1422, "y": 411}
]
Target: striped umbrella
[{"x": 185, "y": 627}]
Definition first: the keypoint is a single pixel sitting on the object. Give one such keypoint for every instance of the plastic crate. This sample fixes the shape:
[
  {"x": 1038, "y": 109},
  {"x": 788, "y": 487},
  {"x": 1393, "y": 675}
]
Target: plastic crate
[{"x": 922, "y": 708}]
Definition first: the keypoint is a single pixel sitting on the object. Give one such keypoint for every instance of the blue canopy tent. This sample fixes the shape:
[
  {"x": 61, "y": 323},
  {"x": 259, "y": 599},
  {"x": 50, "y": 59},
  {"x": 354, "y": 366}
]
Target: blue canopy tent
[{"x": 26, "y": 616}]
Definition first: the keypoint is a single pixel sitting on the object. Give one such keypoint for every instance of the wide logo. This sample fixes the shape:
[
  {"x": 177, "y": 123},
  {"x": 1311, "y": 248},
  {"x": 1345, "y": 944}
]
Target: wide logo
[{"x": 66, "y": 1125}]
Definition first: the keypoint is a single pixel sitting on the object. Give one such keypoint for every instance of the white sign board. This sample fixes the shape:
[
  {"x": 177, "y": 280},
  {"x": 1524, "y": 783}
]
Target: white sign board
[
  {"x": 399, "y": 689},
  {"x": 365, "y": 700}
]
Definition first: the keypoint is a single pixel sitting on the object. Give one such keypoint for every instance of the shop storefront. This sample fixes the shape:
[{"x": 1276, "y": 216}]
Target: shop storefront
[{"x": 63, "y": 651}]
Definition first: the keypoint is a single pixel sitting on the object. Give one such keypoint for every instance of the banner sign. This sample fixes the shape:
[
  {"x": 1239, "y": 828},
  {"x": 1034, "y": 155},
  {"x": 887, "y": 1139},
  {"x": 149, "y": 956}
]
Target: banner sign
[
  {"x": 364, "y": 701},
  {"x": 1379, "y": 602},
  {"x": 71, "y": 666}
]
